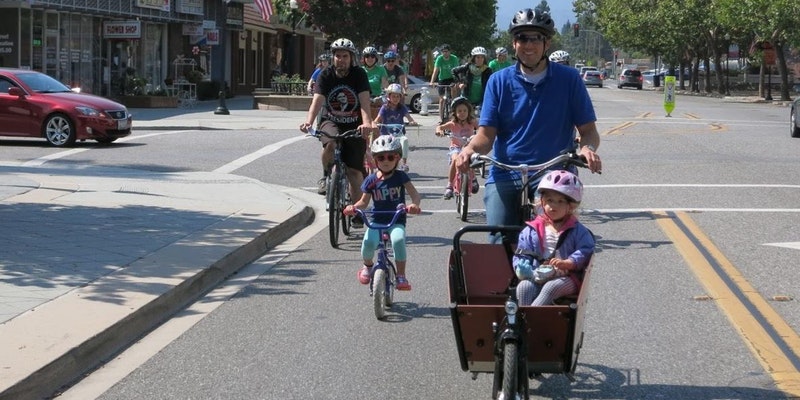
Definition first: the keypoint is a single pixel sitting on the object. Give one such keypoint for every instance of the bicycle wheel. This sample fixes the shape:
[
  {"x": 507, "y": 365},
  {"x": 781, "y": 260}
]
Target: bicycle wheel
[
  {"x": 344, "y": 190},
  {"x": 334, "y": 207},
  {"x": 379, "y": 293},
  {"x": 389, "y": 295},
  {"x": 510, "y": 374},
  {"x": 463, "y": 196}
]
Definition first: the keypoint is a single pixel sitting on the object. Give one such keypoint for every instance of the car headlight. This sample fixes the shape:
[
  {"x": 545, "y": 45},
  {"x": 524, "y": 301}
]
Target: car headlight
[
  {"x": 511, "y": 308},
  {"x": 88, "y": 111}
]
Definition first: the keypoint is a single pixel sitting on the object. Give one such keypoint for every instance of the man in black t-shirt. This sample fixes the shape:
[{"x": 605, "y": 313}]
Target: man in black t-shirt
[{"x": 343, "y": 90}]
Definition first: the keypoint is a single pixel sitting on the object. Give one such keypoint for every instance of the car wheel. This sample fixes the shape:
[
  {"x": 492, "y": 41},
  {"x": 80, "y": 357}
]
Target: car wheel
[
  {"x": 600, "y": 85},
  {"x": 795, "y": 130},
  {"x": 619, "y": 86},
  {"x": 416, "y": 103},
  {"x": 59, "y": 130}
]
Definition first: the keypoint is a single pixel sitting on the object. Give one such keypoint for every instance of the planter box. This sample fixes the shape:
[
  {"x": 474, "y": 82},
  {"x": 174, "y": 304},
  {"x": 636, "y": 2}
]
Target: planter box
[{"x": 149, "y": 101}]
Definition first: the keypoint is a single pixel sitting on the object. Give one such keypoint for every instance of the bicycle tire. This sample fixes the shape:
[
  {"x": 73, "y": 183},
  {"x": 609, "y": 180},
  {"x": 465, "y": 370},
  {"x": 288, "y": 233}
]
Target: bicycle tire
[
  {"x": 379, "y": 293},
  {"x": 463, "y": 194},
  {"x": 334, "y": 207},
  {"x": 510, "y": 373},
  {"x": 344, "y": 190},
  {"x": 389, "y": 295}
]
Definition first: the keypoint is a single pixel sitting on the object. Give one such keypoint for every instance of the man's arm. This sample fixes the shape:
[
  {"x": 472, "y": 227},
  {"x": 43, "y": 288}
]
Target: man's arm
[{"x": 590, "y": 141}]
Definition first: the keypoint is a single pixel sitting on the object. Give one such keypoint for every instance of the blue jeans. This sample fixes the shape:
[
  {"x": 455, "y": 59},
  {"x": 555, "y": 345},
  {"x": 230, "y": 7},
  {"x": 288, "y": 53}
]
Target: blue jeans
[{"x": 502, "y": 205}]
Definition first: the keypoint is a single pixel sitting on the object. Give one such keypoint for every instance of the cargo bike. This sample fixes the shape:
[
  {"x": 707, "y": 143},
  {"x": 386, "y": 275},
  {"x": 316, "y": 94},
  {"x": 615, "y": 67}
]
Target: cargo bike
[{"x": 493, "y": 333}]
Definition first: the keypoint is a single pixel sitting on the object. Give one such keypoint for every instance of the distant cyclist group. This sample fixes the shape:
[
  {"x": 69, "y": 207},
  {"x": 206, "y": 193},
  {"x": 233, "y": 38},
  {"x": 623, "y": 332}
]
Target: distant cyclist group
[{"x": 524, "y": 111}]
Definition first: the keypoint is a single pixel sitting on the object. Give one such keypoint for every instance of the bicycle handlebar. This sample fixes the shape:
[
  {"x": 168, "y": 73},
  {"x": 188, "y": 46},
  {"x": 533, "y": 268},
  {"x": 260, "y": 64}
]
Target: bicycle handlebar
[
  {"x": 344, "y": 135},
  {"x": 401, "y": 210},
  {"x": 568, "y": 157}
]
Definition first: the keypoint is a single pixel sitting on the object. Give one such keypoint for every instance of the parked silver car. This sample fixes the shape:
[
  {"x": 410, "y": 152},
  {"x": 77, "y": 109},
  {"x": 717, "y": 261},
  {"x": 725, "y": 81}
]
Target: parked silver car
[{"x": 414, "y": 94}]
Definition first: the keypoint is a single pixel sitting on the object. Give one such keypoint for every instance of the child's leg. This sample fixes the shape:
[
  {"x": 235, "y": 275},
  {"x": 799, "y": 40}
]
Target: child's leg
[
  {"x": 526, "y": 292},
  {"x": 368, "y": 246},
  {"x": 554, "y": 289},
  {"x": 397, "y": 234},
  {"x": 451, "y": 174},
  {"x": 404, "y": 143}
]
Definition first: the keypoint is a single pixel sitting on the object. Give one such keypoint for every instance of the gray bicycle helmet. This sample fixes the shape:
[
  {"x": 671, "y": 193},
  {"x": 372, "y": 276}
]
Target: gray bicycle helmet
[
  {"x": 458, "y": 101},
  {"x": 386, "y": 144},
  {"x": 501, "y": 51},
  {"x": 344, "y": 44},
  {"x": 532, "y": 18},
  {"x": 369, "y": 51}
]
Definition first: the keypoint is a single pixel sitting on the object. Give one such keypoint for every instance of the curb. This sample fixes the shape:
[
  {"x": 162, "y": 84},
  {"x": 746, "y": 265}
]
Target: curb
[{"x": 73, "y": 364}]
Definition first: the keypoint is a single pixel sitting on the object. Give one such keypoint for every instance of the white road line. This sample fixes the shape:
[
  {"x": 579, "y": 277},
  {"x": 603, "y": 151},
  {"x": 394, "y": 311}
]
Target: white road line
[
  {"x": 36, "y": 162},
  {"x": 242, "y": 161}
]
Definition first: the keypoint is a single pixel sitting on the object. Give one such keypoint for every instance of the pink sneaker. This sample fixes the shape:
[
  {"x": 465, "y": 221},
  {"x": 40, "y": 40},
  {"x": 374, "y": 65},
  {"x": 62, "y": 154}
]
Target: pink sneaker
[
  {"x": 402, "y": 283},
  {"x": 364, "y": 275}
]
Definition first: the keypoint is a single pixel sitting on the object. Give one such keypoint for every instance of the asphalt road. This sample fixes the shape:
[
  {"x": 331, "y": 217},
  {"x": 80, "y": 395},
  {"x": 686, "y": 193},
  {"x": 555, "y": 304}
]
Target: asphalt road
[{"x": 713, "y": 188}]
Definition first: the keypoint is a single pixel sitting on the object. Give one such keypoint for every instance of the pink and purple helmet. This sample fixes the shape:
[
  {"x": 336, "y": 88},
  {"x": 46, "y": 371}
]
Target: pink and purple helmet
[{"x": 563, "y": 182}]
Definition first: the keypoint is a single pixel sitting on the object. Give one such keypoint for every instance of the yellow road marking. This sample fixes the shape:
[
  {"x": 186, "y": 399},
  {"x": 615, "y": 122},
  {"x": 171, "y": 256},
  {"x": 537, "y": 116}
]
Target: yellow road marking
[
  {"x": 718, "y": 127},
  {"x": 773, "y": 342},
  {"x": 620, "y": 127},
  {"x": 691, "y": 116},
  {"x": 644, "y": 115}
]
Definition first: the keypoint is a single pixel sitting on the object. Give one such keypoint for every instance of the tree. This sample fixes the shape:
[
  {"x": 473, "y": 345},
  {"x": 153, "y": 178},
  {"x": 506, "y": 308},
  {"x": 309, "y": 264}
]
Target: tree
[
  {"x": 369, "y": 22},
  {"x": 423, "y": 24}
]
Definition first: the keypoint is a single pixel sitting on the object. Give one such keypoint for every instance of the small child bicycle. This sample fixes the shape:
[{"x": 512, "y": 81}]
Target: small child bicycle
[{"x": 383, "y": 273}]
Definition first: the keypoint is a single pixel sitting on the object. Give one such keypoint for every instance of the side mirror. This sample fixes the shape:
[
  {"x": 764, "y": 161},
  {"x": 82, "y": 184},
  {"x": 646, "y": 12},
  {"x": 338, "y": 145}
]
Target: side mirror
[{"x": 16, "y": 91}]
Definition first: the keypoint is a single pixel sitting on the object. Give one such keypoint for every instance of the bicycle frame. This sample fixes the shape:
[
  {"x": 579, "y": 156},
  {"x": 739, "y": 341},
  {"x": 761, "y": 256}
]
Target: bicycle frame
[
  {"x": 338, "y": 192},
  {"x": 384, "y": 272}
]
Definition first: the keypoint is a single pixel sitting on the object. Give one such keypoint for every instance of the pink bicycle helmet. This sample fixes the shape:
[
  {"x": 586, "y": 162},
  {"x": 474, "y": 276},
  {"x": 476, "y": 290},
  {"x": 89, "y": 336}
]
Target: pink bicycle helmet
[{"x": 563, "y": 182}]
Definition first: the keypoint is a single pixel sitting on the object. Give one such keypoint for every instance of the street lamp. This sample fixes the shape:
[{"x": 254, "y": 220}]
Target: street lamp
[
  {"x": 293, "y": 6},
  {"x": 727, "y": 65}
]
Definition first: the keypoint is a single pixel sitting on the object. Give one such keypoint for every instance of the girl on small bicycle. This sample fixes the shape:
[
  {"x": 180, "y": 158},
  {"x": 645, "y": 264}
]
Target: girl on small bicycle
[
  {"x": 554, "y": 238},
  {"x": 388, "y": 187},
  {"x": 462, "y": 124},
  {"x": 393, "y": 112}
]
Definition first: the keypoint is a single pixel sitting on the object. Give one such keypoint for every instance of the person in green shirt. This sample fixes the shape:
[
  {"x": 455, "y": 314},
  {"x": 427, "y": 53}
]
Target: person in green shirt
[
  {"x": 472, "y": 77},
  {"x": 443, "y": 72},
  {"x": 378, "y": 78},
  {"x": 501, "y": 61}
]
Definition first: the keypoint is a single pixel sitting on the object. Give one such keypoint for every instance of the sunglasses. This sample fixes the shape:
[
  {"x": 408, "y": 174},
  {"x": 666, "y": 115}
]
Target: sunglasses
[
  {"x": 386, "y": 157},
  {"x": 389, "y": 60},
  {"x": 369, "y": 56},
  {"x": 530, "y": 38}
]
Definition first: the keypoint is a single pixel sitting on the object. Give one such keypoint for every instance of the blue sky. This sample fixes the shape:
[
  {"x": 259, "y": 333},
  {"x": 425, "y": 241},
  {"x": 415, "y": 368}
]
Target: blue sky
[{"x": 561, "y": 10}]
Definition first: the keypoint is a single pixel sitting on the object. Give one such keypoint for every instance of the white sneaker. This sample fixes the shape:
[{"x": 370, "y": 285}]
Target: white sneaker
[{"x": 448, "y": 193}]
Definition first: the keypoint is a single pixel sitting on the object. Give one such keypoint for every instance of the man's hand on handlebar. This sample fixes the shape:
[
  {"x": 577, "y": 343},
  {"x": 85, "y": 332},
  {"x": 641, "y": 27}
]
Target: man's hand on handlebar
[
  {"x": 464, "y": 159},
  {"x": 592, "y": 159},
  {"x": 304, "y": 127},
  {"x": 366, "y": 129}
]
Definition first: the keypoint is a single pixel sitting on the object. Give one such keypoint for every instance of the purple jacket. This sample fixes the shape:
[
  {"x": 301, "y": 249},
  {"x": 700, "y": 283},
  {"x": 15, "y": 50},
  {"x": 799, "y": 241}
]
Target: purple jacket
[{"x": 577, "y": 244}]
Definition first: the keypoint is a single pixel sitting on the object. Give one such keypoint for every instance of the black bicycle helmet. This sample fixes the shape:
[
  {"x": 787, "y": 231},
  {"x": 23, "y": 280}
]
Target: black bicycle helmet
[
  {"x": 458, "y": 101},
  {"x": 532, "y": 18}
]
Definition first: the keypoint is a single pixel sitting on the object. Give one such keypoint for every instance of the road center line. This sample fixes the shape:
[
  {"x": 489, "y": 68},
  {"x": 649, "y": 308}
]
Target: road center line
[{"x": 772, "y": 341}]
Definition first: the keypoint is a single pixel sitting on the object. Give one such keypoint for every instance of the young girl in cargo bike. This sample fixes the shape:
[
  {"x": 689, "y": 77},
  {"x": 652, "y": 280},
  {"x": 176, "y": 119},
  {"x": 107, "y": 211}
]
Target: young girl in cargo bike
[{"x": 554, "y": 249}]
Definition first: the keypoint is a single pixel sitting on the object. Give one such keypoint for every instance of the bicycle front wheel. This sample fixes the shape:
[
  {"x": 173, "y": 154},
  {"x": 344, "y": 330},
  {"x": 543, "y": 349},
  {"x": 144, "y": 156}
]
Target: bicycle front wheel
[
  {"x": 344, "y": 196},
  {"x": 335, "y": 214},
  {"x": 463, "y": 196},
  {"x": 379, "y": 293},
  {"x": 510, "y": 375}
]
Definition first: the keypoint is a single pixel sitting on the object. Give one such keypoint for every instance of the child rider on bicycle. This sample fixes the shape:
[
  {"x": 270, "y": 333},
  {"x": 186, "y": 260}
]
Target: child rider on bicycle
[
  {"x": 554, "y": 238},
  {"x": 462, "y": 124},
  {"x": 388, "y": 187}
]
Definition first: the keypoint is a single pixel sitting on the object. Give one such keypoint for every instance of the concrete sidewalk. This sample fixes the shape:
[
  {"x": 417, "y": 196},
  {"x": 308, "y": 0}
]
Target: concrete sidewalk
[{"x": 94, "y": 257}]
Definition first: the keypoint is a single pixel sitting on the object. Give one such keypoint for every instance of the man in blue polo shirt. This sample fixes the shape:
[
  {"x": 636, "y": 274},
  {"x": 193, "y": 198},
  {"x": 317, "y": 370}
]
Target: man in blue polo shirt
[{"x": 529, "y": 115}]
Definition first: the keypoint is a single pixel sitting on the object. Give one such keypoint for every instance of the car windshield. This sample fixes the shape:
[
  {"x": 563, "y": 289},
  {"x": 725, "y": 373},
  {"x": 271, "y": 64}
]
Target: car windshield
[{"x": 42, "y": 83}]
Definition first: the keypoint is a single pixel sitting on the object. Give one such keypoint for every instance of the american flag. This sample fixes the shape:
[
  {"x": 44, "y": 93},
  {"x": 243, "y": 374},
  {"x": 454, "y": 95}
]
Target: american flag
[{"x": 265, "y": 7}]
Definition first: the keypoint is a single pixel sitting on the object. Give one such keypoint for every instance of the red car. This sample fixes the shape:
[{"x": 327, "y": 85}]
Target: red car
[{"x": 33, "y": 104}]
